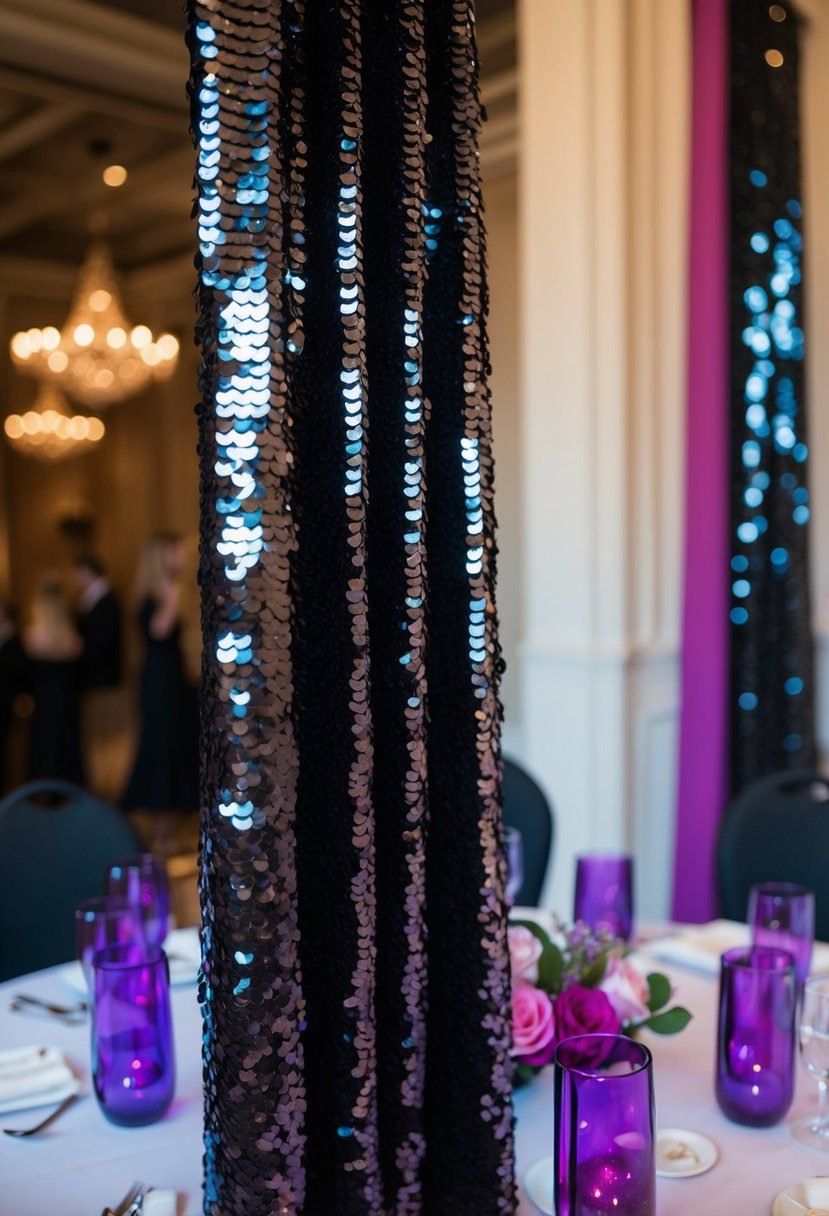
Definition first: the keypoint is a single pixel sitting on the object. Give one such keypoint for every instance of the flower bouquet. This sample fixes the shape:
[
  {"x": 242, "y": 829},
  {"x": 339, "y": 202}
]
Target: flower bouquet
[{"x": 576, "y": 982}]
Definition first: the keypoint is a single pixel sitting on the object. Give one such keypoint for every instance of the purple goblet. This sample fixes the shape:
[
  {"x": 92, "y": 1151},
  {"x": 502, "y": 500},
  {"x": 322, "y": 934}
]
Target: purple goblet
[
  {"x": 756, "y": 1034},
  {"x": 604, "y": 893},
  {"x": 103, "y": 922},
  {"x": 514, "y": 844},
  {"x": 141, "y": 881},
  {"x": 604, "y": 1127},
  {"x": 133, "y": 1066},
  {"x": 782, "y": 914}
]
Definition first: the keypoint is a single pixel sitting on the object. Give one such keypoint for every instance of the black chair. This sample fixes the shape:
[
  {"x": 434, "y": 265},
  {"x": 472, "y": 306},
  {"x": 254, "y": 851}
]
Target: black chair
[
  {"x": 55, "y": 842},
  {"x": 776, "y": 830},
  {"x": 527, "y": 809}
]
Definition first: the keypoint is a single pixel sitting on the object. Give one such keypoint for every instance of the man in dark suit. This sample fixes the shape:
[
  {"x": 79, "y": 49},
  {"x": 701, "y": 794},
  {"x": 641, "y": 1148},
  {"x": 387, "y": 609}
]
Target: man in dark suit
[
  {"x": 99, "y": 624},
  {"x": 103, "y": 706}
]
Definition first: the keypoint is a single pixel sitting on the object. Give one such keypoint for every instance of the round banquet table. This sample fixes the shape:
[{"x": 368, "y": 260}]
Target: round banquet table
[{"x": 83, "y": 1162}]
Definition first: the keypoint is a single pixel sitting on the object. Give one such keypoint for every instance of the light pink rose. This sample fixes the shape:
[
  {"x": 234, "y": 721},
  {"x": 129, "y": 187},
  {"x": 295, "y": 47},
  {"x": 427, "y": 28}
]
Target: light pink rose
[
  {"x": 524, "y": 953},
  {"x": 627, "y": 989},
  {"x": 533, "y": 1025}
]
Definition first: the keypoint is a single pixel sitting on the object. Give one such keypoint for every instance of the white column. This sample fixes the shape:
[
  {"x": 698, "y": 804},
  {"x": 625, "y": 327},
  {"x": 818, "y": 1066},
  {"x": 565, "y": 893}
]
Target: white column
[{"x": 603, "y": 121}]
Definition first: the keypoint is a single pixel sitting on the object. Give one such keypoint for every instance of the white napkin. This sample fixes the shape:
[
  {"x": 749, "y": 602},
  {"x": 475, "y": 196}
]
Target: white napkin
[
  {"x": 816, "y": 1193},
  {"x": 34, "y": 1076},
  {"x": 159, "y": 1203}
]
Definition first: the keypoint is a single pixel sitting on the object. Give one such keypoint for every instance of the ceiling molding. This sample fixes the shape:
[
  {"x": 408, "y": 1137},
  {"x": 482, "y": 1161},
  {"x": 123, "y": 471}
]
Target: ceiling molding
[{"x": 73, "y": 42}]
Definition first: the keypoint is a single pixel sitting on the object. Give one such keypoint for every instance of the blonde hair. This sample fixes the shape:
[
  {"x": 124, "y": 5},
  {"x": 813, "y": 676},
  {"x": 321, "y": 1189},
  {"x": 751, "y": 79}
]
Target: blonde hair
[{"x": 152, "y": 568}]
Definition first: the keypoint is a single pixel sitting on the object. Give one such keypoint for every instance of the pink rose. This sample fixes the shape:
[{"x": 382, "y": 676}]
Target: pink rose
[
  {"x": 524, "y": 953},
  {"x": 582, "y": 1010},
  {"x": 533, "y": 1025},
  {"x": 627, "y": 989}
]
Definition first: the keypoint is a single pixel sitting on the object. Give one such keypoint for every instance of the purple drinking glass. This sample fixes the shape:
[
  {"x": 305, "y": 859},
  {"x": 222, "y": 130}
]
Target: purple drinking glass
[
  {"x": 782, "y": 914},
  {"x": 604, "y": 893},
  {"x": 133, "y": 1066},
  {"x": 141, "y": 881},
  {"x": 103, "y": 922},
  {"x": 514, "y": 844},
  {"x": 604, "y": 1127},
  {"x": 756, "y": 1034}
]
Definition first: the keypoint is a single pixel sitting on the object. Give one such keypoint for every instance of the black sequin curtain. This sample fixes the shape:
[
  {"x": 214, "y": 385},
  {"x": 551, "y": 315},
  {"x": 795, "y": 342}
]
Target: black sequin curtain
[
  {"x": 356, "y": 979},
  {"x": 771, "y": 687}
]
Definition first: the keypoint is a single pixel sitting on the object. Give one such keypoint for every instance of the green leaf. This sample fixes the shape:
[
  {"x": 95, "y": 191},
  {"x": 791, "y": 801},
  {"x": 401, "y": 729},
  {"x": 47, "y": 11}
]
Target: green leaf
[
  {"x": 550, "y": 967},
  {"x": 595, "y": 973},
  {"x": 522, "y": 1075},
  {"x": 669, "y": 1022},
  {"x": 659, "y": 988}
]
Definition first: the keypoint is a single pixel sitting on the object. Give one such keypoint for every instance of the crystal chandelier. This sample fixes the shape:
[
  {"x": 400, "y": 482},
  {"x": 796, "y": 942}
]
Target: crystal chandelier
[
  {"x": 97, "y": 357},
  {"x": 49, "y": 432}
]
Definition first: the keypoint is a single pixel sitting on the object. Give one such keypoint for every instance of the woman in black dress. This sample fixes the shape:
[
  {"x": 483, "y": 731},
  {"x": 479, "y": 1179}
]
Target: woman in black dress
[
  {"x": 54, "y": 647},
  {"x": 164, "y": 776}
]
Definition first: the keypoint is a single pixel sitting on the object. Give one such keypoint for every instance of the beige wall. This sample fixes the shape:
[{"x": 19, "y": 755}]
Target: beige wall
[{"x": 501, "y": 198}]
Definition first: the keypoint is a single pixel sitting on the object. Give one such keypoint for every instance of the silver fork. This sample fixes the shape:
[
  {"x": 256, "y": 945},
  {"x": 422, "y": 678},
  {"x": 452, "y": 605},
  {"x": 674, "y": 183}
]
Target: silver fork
[
  {"x": 130, "y": 1204},
  {"x": 39, "y": 1127},
  {"x": 22, "y": 1002}
]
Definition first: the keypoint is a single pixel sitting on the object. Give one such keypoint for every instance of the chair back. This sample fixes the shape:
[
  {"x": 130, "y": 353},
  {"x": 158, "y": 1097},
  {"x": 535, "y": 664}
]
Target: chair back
[
  {"x": 776, "y": 830},
  {"x": 55, "y": 842},
  {"x": 527, "y": 809}
]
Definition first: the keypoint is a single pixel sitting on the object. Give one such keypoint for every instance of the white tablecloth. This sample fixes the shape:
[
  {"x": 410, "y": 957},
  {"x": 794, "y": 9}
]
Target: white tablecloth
[{"x": 83, "y": 1162}]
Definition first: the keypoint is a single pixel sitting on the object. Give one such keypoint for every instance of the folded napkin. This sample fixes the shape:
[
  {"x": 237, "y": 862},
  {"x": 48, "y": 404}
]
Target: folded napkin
[
  {"x": 700, "y": 946},
  {"x": 159, "y": 1203},
  {"x": 816, "y": 1193},
  {"x": 34, "y": 1076}
]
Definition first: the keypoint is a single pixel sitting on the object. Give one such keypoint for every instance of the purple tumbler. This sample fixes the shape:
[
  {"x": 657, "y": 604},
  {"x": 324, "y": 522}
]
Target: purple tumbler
[
  {"x": 141, "y": 880},
  {"x": 782, "y": 914},
  {"x": 103, "y": 922},
  {"x": 604, "y": 1127},
  {"x": 133, "y": 1066},
  {"x": 756, "y": 1034},
  {"x": 604, "y": 893}
]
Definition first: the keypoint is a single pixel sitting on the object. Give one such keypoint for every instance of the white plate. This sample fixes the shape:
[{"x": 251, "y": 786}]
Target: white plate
[
  {"x": 538, "y": 1183},
  {"x": 683, "y": 1154},
  {"x": 181, "y": 947},
  {"x": 792, "y": 1202},
  {"x": 700, "y": 946}
]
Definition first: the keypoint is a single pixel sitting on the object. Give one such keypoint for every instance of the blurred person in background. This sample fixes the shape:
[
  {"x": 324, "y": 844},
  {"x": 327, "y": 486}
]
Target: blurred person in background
[
  {"x": 98, "y": 616},
  {"x": 164, "y": 778},
  {"x": 15, "y": 677},
  {"x": 54, "y": 648}
]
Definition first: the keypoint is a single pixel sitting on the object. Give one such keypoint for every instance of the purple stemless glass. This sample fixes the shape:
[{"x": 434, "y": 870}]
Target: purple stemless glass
[
  {"x": 604, "y": 1127},
  {"x": 103, "y": 922},
  {"x": 133, "y": 1067},
  {"x": 141, "y": 880},
  {"x": 782, "y": 914},
  {"x": 756, "y": 1034},
  {"x": 604, "y": 893}
]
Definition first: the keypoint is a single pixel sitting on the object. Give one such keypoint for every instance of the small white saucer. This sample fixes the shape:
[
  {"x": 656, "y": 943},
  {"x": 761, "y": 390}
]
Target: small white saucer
[
  {"x": 792, "y": 1202},
  {"x": 538, "y": 1183},
  {"x": 683, "y": 1154}
]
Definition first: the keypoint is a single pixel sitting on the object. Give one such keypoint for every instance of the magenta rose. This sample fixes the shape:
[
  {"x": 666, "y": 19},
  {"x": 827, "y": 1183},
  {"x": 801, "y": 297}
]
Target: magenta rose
[
  {"x": 533, "y": 1026},
  {"x": 582, "y": 1010}
]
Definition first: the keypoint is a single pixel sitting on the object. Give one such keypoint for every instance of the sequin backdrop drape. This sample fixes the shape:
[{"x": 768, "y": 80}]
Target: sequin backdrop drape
[
  {"x": 771, "y": 696},
  {"x": 356, "y": 981}
]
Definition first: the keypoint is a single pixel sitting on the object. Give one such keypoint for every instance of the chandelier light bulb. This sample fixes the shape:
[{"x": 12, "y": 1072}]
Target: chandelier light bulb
[
  {"x": 98, "y": 356},
  {"x": 49, "y": 431},
  {"x": 114, "y": 175}
]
